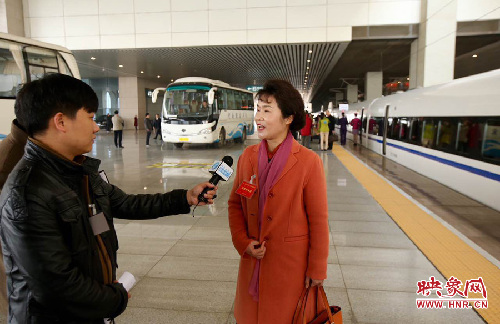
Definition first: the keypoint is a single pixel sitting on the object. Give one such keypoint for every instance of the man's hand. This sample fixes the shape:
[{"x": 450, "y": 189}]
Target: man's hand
[
  {"x": 192, "y": 195},
  {"x": 253, "y": 249}
]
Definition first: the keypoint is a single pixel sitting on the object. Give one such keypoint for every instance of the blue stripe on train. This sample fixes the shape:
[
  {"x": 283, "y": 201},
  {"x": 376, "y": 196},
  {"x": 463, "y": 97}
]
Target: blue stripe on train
[{"x": 468, "y": 168}]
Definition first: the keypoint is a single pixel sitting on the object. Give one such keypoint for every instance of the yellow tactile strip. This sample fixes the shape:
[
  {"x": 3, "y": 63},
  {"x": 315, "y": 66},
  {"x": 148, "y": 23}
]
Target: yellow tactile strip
[{"x": 449, "y": 254}]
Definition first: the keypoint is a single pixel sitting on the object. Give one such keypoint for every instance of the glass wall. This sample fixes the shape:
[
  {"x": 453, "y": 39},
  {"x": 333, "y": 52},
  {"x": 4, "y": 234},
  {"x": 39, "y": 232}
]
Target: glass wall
[{"x": 107, "y": 93}]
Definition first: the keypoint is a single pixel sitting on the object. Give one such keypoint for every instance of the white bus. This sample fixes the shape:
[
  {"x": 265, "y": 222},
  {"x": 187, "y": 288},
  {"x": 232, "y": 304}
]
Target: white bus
[
  {"x": 201, "y": 110},
  {"x": 23, "y": 60}
]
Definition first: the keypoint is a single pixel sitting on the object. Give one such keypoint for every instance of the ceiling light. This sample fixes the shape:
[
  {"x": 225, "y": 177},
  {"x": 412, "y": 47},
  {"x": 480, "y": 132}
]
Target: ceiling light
[
  {"x": 310, "y": 51},
  {"x": 121, "y": 65},
  {"x": 158, "y": 76},
  {"x": 171, "y": 80},
  {"x": 142, "y": 71},
  {"x": 308, "y": 60},
  {"x": 475, "y": 55},
  {"x": 407, "y": 79},
  {"x": 92, "y": 58},
  {"x": 307, "y": 72},
  {"x": 308, "y": 68}
]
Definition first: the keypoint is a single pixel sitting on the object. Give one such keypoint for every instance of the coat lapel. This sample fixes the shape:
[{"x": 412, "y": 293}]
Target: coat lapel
[{"x": 292, "y": 160}]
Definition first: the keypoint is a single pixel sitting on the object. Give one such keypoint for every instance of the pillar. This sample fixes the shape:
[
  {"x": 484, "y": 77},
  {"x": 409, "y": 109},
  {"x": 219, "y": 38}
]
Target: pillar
[
  {"x": 352, "y": 93},
  {"x": 129, "y": 102},
  {"x": 12, "y": 17},
  {"x": 413, "y": 64},
  {"x": 436, "y": 42},
  {"x": 373, "y": 86}
]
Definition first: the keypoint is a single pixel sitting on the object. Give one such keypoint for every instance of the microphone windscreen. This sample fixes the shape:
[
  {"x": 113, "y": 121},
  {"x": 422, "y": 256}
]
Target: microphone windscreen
[{"x": 228, "y": 160}]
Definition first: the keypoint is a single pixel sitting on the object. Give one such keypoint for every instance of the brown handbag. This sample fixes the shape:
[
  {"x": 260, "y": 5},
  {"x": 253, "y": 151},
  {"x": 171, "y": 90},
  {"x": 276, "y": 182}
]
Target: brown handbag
[{"x": 330, "y": 315}]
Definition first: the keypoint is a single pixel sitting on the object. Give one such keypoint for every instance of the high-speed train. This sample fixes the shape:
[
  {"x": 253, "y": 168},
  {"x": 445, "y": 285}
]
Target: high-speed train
[{"x": 448, "y": 132}]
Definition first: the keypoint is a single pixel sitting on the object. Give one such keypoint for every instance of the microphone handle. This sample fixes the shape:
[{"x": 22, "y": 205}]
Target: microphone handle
[{"x": 213, "y": 180}]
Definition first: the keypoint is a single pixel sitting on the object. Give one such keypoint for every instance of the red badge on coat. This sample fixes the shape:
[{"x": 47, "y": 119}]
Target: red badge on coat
[{"x": 246, "y": 189}]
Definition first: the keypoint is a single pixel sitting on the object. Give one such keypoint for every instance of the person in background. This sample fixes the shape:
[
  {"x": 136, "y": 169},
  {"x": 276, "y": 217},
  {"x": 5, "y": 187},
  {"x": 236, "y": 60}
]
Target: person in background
[
  {"x": 283, "y": 246},
  {"x": 305, "y": 132},
  {"x": 135, "y": 122},
  {"x": 60, "y": 268},
  {"x": 157, "y": 126},
  {"x": 11, "y": 151},
  {"x": 356, "y": 125},
  {"x": 109, "y": 123},
  {"x": 148, "y": 125},
  {"x": 331, "y": 127},
  {"x": 118, "y": 129},
  {"x": 324, "y": 129},
  {"x": 343, "y": 128}
]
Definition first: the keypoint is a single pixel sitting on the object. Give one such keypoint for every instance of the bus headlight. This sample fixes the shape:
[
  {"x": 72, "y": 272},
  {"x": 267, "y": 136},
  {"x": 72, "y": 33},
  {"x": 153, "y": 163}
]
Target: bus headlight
[{"x": 206, "y": 131}]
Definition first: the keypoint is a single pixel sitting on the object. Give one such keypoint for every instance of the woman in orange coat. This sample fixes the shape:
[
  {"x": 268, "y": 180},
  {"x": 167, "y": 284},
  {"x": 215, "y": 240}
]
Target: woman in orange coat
[{"x": 281, "y": 230}]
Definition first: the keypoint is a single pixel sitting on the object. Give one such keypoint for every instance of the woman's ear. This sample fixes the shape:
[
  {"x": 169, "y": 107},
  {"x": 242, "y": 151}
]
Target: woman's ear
[{"x": 289, "y": 120}]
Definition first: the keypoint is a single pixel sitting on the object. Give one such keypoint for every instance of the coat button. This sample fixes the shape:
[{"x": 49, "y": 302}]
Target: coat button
[
  {"x": 253, "y": 238},
  {"x": 269, "y": 218},
  {"x": 271, "y": 195},
  {"x": 266, "y": 238}
]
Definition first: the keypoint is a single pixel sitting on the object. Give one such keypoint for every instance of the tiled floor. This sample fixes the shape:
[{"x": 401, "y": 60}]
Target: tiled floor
[{"x": 187, "y": 266}]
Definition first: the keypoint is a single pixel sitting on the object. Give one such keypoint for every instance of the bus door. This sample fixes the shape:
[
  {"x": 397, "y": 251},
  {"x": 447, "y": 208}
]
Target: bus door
[{"x": 384, "y": 141}]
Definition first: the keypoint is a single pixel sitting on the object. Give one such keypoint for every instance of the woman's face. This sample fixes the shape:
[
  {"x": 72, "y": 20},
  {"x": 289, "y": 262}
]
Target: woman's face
[{"x": 270, "y": 122}]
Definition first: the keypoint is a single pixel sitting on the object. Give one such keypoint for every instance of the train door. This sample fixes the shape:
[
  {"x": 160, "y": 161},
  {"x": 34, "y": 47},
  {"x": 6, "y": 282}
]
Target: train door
[
  {"x": 361, "y": 128},
  {"x": 386, "y": 117}
]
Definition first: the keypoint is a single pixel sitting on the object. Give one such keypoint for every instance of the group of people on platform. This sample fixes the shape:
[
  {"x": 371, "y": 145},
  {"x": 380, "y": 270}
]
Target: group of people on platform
[
  {"x": 57, "y": 209},
  {"x": 117, "y": 124},
  {"x": 324, "y": 125}
]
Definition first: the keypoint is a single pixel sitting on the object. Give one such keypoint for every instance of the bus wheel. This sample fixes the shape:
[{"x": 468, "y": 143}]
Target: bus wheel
[
  {"x": 222, "y": 137},
  {"x": 178, "y": 145}
]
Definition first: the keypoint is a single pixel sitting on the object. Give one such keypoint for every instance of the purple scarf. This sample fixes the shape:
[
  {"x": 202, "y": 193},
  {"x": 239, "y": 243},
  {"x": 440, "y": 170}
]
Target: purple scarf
[{"x": 269, "y": 173}]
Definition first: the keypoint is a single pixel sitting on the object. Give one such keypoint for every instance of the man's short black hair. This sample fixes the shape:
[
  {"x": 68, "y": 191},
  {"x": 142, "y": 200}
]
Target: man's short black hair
[
  {"x": 289, "y": 101},
  {"x": 40, "y": 100},
  {"x": 147, "y": 114},
  {"x": 116, "y": 112}
]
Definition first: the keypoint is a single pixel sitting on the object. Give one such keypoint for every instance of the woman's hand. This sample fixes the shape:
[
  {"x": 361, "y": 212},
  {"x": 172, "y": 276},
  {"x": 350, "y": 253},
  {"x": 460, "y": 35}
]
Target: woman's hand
[
  {"x": 313, "y": 282},
  {"x": 253, "y": 249}
]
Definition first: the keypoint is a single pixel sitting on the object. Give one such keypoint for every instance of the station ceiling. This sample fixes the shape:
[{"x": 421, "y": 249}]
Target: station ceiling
[{"x": 332, "y": 65}]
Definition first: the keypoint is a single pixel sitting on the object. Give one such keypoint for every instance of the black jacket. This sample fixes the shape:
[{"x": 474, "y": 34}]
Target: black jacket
[{"x": 50, "y": 253}]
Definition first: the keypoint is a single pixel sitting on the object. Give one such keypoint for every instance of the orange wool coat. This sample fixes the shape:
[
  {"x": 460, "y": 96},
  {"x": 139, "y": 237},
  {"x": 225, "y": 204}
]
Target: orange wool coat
[{"x": 295, "y": 228}]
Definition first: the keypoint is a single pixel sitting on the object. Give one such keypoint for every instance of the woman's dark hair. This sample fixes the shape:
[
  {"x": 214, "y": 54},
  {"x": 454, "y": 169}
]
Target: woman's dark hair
[
  {"x": 289, "y": 101},
  {"x": 40, "y": 100}
]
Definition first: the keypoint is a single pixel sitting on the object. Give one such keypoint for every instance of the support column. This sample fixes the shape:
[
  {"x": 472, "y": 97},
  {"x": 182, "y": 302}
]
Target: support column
[
  {"x": 413, "y": 64},
  {"x": 352, "y": 93},
  {"x": 436, "y": 42},
  {"x": 339, "y": 96},
  {"x": 12, "y": 17},
  {"x": 373, "y": 86},
  {"x": 129, "y": 102}
]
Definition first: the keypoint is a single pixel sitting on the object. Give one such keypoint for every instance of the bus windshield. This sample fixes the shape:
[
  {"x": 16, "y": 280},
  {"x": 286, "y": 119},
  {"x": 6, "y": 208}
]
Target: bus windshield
[{"x": 184, "y": 103}]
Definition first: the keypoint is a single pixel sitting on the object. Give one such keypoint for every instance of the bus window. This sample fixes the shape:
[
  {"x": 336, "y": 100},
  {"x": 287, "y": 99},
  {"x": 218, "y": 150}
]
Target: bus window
[
  {"x": 237, "y": 100},
  {"x": 63, "y": 66},
  {"x": 222, "y": 99},
  {"x": 491, "y": 143},
  {"x": 10, "y": 74},
  {"x": 231, "y": 105},
  {"x": 41, "y": 61},
  {"x": 250, "y": 100}
]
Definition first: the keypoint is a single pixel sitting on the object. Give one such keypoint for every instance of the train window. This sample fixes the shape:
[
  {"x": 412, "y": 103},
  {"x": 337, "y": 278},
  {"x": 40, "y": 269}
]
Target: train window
[
  {"x": 403, "y": 131},
  {"x": 429, "y": 127},
  {"x": 415, "y": 130},
  {"x": 446, "y": 134},
  {"x": 393, "y": 128},
  {"x": 491, "y": 143}
]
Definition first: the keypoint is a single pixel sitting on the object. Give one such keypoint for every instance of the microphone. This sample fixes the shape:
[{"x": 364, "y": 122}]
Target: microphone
[{"x": 221, "y": 170}]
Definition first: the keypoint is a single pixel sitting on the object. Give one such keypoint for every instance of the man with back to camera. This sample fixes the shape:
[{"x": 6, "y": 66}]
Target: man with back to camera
[
  {"x": 118, "y": 129},
  {"x": 61, "y": 266},
  {"x": 148, "y": 125},
  {"x": 343, "y": 128},
  {"x": 356, "y": 125}
]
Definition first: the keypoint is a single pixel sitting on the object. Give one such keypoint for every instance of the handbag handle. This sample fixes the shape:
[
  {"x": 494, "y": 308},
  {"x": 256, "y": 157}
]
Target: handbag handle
[
  {"x": 296, "y": 315},
  {"x": 321, "y": 291}
]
